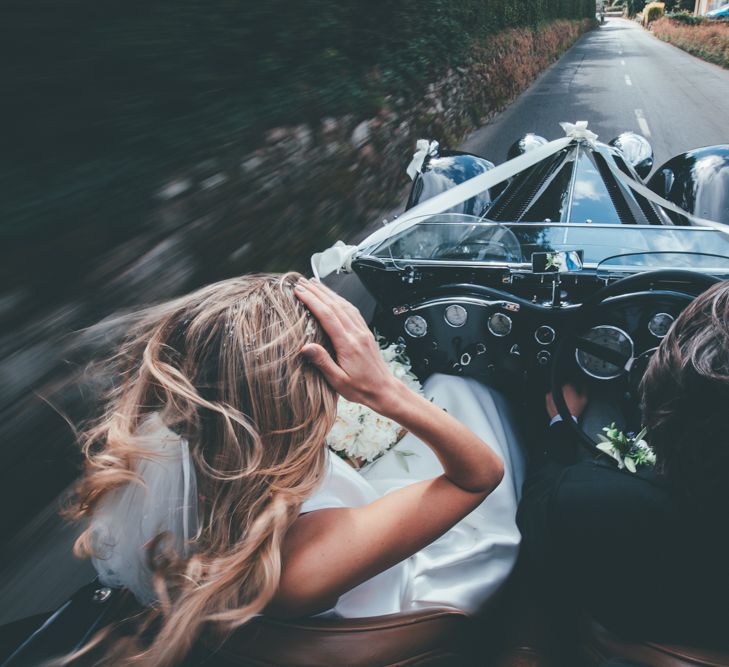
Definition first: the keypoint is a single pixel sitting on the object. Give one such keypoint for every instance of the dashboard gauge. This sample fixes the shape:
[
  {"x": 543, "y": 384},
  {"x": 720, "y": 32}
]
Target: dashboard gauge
[
  {"x": 416, "y": 326},
  {"x": 659, "y": 324},
  {"x": 611, "y": 338},
  {"x": 500, "y": 324},
  {"x": 545, "y": 335},
  {"x": 456, "y": 315}
]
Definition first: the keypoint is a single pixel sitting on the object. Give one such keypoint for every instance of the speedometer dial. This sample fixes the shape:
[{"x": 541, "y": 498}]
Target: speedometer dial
[{"x": 613, "y": 339}]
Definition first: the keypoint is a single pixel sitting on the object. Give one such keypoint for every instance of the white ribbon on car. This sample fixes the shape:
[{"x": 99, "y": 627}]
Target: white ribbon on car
[
  {"x": 339, "y": 257},
  {"x": 654, "y": 198},
  {"x": 423, "y": 148}
]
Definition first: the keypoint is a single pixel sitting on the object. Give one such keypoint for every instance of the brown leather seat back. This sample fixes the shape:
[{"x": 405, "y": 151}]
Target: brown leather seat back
[
  {"x": 431, "y": 637},
  {"x": 598, "y": 644}
]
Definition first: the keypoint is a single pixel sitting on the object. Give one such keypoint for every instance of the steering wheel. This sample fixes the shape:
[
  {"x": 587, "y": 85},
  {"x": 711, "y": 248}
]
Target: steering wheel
[{"x": 636, "y": 289}]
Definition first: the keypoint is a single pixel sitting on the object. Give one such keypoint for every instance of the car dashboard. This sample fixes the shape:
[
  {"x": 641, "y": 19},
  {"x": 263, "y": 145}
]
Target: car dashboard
[{"x": 504, "y": 328}]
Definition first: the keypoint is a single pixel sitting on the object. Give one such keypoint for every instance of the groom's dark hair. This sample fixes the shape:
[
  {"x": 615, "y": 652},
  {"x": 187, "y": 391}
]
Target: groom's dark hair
[{"x": 686, "y": 398}]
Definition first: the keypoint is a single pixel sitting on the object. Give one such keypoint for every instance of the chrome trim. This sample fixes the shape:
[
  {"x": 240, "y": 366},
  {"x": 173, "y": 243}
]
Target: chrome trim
[
  {"x": 631, "y": 269},
  {"x": 470, "y": 300},
  {"x": 573, "y": 181},
  {"x": 622, "y": 370}
]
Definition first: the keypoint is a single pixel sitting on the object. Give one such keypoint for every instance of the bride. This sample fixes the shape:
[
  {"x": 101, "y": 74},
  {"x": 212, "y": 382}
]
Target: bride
[{"x": 209, "y": 492}]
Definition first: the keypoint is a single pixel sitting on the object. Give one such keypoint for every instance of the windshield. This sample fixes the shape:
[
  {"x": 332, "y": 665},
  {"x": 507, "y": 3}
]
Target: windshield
[
  {"x": 646, "y": 261},
  {"x": 461, "y": 238}
]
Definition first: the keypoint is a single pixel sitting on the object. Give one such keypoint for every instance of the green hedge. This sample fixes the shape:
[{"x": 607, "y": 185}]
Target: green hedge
[
  {"x": 689, "y": 19},
  {"x": 104, "y": 98}
]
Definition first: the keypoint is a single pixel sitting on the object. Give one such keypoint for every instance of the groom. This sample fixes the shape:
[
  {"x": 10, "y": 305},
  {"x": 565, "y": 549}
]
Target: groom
[{"x": 645, "y": 553}]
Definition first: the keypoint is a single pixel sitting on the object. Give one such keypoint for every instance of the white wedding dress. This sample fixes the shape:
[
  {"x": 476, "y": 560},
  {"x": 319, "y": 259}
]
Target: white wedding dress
[{"x": 468, "y": 564}]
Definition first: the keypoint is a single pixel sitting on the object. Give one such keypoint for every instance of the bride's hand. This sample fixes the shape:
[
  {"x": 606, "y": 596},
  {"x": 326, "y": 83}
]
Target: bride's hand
[{"x": 359, "y": 374}]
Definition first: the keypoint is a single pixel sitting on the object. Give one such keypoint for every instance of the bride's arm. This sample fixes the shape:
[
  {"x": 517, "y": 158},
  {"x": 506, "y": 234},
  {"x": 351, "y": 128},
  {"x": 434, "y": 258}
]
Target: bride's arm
[{"x": 328, "y": 552}]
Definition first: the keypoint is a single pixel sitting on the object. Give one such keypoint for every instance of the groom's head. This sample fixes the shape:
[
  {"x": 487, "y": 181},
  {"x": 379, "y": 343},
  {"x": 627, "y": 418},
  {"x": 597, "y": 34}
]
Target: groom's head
[{"x": 686, "y": 398}]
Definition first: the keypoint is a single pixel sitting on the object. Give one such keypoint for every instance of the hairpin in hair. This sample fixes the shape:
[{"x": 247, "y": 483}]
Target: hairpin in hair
[
  {"x": 231, "y": 323},
  {"x": 310, "y": 327},
  {"x": 250, "y": 342}
]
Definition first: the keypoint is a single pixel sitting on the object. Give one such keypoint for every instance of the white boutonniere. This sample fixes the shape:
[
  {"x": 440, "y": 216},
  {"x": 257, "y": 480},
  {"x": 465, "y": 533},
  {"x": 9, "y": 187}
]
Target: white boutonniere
[
  {"x": 629, "y": 451},
  {"x": 359, "y": 434}
]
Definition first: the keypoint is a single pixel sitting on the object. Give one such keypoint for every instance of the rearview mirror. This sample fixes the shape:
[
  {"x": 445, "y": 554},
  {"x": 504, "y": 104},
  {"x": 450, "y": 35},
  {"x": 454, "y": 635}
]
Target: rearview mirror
[{"x": 560, "y": 261}]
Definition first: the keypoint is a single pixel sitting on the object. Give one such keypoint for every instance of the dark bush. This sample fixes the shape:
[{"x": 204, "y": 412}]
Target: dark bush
[
  {"x": 686, "y": 17},
  {"x": 635, "y": 6}
]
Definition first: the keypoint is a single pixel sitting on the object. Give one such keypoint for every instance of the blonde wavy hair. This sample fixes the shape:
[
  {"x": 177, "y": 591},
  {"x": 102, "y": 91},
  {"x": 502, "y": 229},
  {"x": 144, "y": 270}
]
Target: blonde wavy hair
[{"x": 222, "y": 368}]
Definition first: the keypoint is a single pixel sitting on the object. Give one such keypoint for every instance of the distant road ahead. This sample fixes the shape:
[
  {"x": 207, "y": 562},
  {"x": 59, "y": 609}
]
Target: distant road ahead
[{"x": 619, "y": 77}]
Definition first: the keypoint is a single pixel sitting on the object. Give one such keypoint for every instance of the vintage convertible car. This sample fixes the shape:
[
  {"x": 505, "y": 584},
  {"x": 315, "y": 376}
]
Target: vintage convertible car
[{"x": 559, "y": 262}]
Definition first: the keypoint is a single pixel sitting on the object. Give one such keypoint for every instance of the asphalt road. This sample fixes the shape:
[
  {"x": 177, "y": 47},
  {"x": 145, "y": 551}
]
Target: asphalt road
[{"x": 618, "y": 78}]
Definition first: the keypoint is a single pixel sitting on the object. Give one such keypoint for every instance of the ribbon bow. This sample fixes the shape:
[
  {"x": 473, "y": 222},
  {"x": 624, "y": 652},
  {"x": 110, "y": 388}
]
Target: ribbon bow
[
  {"x": 335, "y": 259},
  {"x": 579, "y": 132},
  {"x": 423, "y": 148}
]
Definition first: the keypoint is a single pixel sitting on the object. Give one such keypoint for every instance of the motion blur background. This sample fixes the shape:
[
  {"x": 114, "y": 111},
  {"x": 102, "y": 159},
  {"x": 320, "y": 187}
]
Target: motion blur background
[{"x": 151, "y": 147}]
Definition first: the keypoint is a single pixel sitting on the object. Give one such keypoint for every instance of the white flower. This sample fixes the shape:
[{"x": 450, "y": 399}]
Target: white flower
[
  {"x": 389, "y": 353},
  {"x": 359, "y": 432},
  {"x": 610, "y": 450}
]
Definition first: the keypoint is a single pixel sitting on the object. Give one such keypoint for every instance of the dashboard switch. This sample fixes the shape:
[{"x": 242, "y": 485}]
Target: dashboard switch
[{"x": 543, "y": 357}]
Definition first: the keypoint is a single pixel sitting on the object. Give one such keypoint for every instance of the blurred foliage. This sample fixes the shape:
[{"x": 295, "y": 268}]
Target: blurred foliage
[
  {"x": 687, "y": 17},
  {"x": 105, "y": 98},
  {"x": 702, "y": 37},
  {"x": 652, "y": 12},
  {"x": 679, "y": 6},
  {"x": 635, "y": 7}
]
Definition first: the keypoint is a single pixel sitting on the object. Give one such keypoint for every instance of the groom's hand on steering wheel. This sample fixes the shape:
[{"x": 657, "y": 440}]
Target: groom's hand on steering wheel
[{"x": 575, "y": 397}]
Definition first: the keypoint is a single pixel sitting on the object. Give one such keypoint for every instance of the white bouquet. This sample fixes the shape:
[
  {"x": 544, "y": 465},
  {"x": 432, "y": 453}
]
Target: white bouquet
[{"x": 359, "y": 434}]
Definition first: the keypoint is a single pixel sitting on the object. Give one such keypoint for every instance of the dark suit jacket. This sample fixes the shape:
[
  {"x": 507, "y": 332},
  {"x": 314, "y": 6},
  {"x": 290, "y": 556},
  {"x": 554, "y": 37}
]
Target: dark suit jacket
[{"x": 625, "y": 546}]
